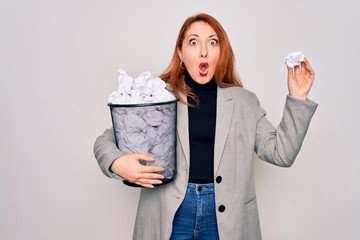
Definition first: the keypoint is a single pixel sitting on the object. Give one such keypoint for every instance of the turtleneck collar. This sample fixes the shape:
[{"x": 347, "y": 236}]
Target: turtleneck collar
[{"x": 198, "y": 86}]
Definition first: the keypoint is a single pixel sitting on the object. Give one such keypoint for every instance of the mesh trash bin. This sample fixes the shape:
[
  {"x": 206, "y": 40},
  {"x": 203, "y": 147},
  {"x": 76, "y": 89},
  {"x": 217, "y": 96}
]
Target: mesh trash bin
[{"x": 147, "y": 128}]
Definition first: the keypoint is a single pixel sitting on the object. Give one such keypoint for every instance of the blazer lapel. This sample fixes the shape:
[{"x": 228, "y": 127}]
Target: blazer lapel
[
  {"x": 224, "y": 107},
  {"x": 224, "y": 112},
  {"x": 183, "y": 128}
]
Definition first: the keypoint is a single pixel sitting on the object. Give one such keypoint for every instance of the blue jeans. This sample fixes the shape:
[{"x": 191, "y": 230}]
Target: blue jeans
[{"x": 196, "y": 216}]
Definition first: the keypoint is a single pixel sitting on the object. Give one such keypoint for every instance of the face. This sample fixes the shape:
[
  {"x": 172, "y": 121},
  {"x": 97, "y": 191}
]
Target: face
[{"x": 200, "y": 52}]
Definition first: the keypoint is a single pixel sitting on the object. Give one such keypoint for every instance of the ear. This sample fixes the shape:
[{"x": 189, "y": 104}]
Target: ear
[{"x": 179, "y": 53}]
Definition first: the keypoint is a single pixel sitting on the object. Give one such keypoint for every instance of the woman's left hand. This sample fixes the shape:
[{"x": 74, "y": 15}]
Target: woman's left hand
[{"x": 300, "y": 80}]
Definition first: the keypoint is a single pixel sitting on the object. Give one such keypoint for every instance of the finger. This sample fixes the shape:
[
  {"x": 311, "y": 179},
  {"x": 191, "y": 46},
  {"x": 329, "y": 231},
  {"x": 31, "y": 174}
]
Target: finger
[
  {"x": 154, "y": 176},
  {"x": 290, "y": 72},
  {"x": 306, "y": 63},
  {"x": 148, "y": 183},
  {"x": 145, "y": 185},
  {"x": 297, "y": 70},
  {"x": 152, "y": 169},
  {"x": 143, "y": 157},
  {"x": 307, "y": 67}
]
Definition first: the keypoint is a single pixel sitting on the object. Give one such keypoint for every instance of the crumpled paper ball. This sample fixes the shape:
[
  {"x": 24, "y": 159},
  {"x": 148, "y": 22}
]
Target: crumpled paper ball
[
  {"x": 142, "y": 89},
  {"x": 294, "y": 59}
]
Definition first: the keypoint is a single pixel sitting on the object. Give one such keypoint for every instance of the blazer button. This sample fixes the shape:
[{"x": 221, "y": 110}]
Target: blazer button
[
  {"x": 221, "y": 208},
  {"x": 218, "y": 179}
]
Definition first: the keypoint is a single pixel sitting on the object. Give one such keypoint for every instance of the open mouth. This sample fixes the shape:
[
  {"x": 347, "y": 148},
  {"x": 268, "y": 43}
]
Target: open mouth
[{"x": 203, "y": 69}]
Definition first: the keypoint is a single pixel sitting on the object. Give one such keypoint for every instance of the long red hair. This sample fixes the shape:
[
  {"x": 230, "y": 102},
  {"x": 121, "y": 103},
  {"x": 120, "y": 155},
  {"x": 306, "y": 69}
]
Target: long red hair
[{"x": 225, "y": 73}]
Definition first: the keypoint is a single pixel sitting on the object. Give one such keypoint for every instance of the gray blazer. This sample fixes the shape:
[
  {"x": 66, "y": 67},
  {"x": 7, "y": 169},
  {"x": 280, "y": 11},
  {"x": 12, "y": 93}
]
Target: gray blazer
[{"x": 241, "y": 130}]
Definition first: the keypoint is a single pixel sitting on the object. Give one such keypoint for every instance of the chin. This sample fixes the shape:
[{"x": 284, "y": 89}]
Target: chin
[{"x": 203, "y": 80}]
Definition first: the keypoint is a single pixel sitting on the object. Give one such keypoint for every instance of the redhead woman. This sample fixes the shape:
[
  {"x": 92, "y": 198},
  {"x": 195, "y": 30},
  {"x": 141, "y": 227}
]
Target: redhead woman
[{"x": 219, "y": 127}]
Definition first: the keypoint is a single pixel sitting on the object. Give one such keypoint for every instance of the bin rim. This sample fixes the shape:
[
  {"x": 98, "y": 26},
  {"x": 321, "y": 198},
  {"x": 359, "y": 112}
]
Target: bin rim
[{"x": 141, "y": 104}]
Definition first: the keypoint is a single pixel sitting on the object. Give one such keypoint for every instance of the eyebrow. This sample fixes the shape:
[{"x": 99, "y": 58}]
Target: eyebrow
[{"x": 195, "y": 35}]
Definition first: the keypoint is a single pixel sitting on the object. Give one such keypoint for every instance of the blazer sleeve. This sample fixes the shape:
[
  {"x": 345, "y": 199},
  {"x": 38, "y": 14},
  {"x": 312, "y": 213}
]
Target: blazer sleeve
[
  {"x": 280, "y": 146},
  {"x": 106, "y": 151}
]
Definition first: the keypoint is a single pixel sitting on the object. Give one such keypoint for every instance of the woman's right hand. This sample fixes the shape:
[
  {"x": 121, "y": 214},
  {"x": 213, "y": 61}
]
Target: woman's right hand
[{"x": 130, "y": 168}]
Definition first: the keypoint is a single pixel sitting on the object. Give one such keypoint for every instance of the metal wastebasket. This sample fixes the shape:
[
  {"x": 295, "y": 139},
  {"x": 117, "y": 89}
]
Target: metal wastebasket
[{"x": 147, "y": 128}]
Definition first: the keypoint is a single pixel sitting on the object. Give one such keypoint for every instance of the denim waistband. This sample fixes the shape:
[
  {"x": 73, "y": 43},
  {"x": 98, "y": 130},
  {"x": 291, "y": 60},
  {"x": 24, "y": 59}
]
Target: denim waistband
[{"x": 200, "y": 188}]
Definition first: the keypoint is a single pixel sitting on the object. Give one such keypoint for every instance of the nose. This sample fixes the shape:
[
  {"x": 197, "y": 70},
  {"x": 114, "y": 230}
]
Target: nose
[{"x": 204, "y": 52}]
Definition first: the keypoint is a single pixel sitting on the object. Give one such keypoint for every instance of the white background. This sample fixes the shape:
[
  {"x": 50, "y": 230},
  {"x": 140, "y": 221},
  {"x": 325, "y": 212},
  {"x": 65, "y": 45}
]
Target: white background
[{"x": 58, "y": 65}]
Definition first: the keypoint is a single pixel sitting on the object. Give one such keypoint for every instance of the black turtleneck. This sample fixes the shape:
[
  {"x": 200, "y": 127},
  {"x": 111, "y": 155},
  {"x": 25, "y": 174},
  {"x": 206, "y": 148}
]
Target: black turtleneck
[{"x": 202, "y": 122}]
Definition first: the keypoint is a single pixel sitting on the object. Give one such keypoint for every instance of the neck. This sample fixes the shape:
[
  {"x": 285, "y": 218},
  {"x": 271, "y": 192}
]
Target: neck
[{"x": 195, "y": 85}]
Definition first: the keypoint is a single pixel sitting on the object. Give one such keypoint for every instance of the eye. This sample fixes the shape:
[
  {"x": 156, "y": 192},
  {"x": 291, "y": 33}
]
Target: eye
[
  {"x": 193, "y": 42},
  {"x": 214, "y": 42}
]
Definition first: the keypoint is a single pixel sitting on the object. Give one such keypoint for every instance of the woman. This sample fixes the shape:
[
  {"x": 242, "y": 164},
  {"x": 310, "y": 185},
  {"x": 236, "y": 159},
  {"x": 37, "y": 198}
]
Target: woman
[{"x": 219, "y": 126}]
